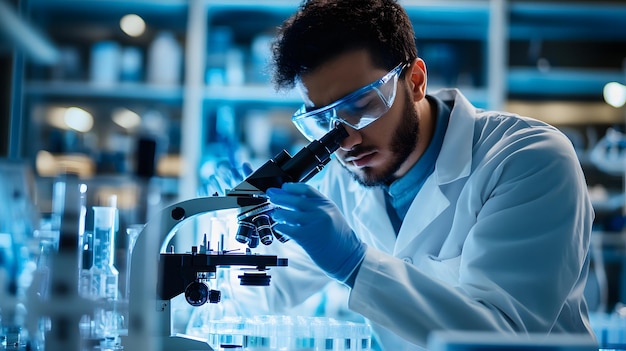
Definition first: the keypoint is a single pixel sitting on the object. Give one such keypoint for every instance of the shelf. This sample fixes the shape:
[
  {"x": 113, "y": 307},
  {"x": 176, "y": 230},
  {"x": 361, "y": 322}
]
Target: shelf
[
  {"x": 19, "y": 34},
  {"x": 431, "y": 19},
  {"x": 571, "y": 113},
  {"x": 129, "y": 91},
  {"x": 478, "y": 30},
  {"x": 163, "y": 13},
  {"x": 561, "y": 82},
  {"x": 599, "y": 22},
  {"x": 463, "y": 20},
  {"x": 250, "y": 94},
  {"x": 267, "y": 5}
]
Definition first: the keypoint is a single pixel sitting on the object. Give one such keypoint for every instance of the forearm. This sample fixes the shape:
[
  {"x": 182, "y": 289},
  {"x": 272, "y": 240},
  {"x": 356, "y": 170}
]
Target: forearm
[{"x": 420, "y": 303}]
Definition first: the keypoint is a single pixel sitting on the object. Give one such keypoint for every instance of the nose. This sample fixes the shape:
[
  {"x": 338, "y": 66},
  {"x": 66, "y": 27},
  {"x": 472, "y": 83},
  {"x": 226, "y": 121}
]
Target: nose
[{"x": 353, "y": 139}]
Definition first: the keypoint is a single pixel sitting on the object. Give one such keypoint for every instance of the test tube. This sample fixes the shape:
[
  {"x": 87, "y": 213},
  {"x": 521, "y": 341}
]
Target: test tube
[{"x": 105, "y": 275}]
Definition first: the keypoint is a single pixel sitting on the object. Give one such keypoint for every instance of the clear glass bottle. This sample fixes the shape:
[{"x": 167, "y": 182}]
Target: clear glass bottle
[{"x": 104, "y": 274}]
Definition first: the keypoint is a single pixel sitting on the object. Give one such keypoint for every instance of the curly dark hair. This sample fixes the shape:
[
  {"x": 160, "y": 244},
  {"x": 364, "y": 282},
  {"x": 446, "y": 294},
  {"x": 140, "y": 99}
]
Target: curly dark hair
[{"x": 324, "y": 29}]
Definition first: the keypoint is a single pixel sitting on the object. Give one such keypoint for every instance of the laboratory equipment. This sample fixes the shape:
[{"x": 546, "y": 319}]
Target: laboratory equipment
[
  {"x": 99, "y": 278},
  {"x": 62, "y": 307},
  {"x": 255, "y": 224},
  {"x": 17, "y": 223},
  {"x": 609, "y": 153},
  {"x": 190, "y": 272},
  {"x": 610, "y": 328},
  {"x": 133, "y": 232},
  {"x": 104, "y": 275},
  {"x": 18, "y": 249},
  {"x": 293, "y": 333}
]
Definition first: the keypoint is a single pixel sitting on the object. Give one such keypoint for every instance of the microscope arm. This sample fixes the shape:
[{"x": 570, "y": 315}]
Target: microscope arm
[{"x": 172, "y": 217}]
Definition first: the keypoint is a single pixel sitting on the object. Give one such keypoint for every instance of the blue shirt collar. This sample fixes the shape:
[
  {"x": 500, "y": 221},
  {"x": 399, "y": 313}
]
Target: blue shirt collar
[{"x": 402, "y": 191}]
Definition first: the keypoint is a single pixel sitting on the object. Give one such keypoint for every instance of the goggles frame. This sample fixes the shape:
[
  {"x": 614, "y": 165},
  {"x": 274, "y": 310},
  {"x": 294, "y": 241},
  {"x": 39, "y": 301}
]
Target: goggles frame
[{"x": 329, "y": 112}]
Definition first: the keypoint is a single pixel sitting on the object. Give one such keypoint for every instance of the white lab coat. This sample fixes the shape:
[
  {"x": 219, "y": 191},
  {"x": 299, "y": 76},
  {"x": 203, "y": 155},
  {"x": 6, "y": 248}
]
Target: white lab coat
[{"x": 497, "y": 239}]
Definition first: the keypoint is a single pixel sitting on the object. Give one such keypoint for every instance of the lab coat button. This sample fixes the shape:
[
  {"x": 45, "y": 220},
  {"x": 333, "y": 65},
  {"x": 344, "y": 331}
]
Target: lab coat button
[{"x": 407, "y": 259}]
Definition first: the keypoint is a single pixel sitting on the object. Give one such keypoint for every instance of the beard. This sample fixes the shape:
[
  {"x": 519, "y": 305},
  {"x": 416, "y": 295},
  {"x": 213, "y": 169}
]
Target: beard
[{"x": 401, "y": 146}]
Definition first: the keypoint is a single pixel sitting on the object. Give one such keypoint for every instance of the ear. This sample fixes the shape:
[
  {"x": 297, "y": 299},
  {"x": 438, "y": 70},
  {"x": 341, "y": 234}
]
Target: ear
[{"x": 418, "y": 75}]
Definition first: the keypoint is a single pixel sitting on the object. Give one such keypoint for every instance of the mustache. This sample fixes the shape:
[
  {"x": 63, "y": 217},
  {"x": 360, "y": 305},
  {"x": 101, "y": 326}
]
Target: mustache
[{"x": 358, "y": 150}]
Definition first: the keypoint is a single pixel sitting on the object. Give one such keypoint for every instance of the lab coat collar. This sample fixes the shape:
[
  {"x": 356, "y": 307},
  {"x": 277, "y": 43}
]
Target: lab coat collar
[
  {"x": 454, "y": 163},
  {"x": 455, "y": 158}
]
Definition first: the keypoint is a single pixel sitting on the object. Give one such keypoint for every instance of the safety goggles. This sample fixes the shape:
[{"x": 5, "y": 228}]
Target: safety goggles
[{"x": 357, "y": 109}]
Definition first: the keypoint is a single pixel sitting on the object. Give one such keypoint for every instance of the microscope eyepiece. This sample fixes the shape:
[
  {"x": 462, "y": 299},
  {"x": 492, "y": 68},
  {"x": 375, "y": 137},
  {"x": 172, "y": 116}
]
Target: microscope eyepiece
[{"x": 312, "y": 158}]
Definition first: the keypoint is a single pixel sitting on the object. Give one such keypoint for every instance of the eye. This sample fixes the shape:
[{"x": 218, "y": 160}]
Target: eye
[
  {"x": 358, "y": 108},
  {"x": 323, "y": 119}
]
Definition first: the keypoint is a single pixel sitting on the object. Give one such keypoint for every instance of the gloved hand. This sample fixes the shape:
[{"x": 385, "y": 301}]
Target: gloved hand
[{"x": 315, "y": 223}]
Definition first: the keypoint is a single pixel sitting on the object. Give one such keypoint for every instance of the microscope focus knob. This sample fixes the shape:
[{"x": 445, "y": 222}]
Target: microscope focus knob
[
  {"x": 196, "y": 293},
  {"x": 215, "y": 296}
]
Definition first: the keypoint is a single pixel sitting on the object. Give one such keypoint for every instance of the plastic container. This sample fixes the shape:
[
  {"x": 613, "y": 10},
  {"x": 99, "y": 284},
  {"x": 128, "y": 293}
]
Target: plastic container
[
  {"x": 293, "y": 333},
  {"x": 164, "y": 60}
]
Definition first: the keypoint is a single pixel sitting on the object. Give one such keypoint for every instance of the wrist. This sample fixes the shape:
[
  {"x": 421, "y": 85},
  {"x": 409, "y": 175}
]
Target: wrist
[
  {"x": 351, "y": 264},
  {"x": 352, "y": 277}
]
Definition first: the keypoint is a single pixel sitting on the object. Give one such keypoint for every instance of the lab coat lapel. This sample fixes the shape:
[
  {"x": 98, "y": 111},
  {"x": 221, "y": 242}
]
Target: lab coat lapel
[
  {"x": 377, "y": 228},
  {"x": 455, "y": 158},
  {"x": 429, "y": 203},
  {"x": 453, "y": 163}
]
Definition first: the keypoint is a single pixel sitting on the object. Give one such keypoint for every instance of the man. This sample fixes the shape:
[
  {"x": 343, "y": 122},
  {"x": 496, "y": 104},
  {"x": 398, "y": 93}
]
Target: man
[{"x": 437, "y": 215}]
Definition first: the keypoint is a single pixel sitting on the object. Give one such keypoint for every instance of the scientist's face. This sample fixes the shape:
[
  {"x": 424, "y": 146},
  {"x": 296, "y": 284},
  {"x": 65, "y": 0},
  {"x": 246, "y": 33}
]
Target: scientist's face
[{"x": 385, "y": 149}]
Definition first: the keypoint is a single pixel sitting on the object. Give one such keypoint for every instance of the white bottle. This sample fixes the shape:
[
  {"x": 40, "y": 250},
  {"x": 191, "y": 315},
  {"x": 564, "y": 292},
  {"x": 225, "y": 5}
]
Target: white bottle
[
  {"x": 105, "y": 63},
  {"x": 164, "y": 60}
]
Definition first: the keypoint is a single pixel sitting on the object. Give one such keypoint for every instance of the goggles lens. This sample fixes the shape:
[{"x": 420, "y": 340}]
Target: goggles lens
[{"x": 357, "y": 110}]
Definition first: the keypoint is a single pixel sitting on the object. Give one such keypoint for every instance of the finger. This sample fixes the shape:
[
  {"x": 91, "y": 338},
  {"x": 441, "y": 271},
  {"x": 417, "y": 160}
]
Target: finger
[
  {"x": 289, "y": 217},
  {"x": 283, "y": 229},
  {"x": 295, "y": 225},
  {"x": 301, "y": 189},
  {"x": 298, "y": 234},
  {"x": 281, "y": 198},
  {"x": 299, "y": 201}
]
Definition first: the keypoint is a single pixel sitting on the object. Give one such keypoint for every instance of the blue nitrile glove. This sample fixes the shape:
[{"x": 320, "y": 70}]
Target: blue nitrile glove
[{"x": 315, "y": 223}]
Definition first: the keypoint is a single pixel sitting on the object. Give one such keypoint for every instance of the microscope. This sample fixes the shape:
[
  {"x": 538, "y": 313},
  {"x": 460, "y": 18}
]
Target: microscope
[{"x": 189, "y": 273}]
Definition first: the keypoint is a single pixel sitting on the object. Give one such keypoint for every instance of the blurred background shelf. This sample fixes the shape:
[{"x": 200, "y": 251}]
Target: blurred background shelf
[
  {"x": 582, "y": 20},
  {"x": 561, "y": 82},
  {"x": 124, "y": 91},
  {"x": 258, "y": 94},
  {"x": 546, "y": 59}
]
